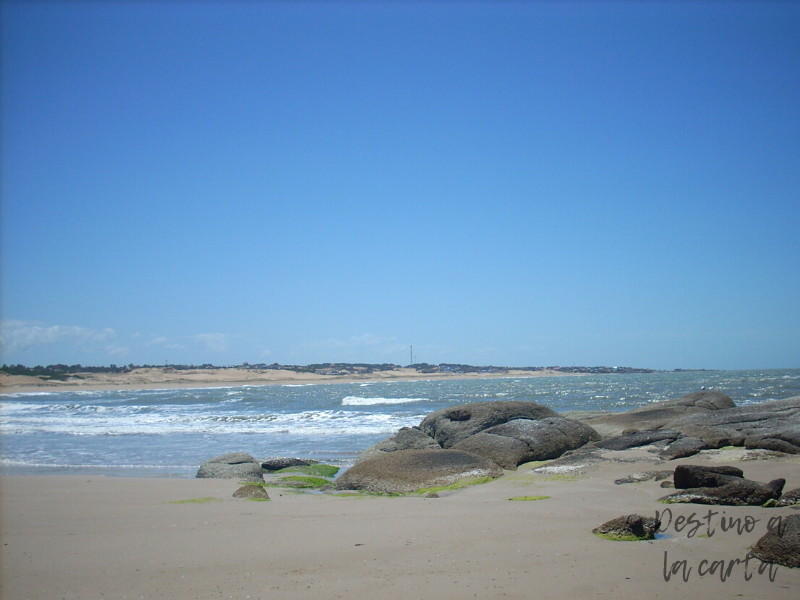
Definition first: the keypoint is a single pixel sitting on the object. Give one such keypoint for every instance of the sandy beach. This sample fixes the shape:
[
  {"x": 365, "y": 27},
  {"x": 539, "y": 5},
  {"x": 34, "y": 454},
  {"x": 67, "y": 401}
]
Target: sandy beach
[
  {"x": 153, "y": 378},
  {"x": 115, "y": 537}
]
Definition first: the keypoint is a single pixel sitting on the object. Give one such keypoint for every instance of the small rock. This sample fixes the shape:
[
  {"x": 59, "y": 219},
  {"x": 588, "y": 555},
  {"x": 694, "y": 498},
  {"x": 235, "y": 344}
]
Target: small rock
[
  {"x": 256, "y": 492},
  {"x": 629, "y": 528},
  {"x": 645, "y": 476},
  {"x": 790, "y": 498}
]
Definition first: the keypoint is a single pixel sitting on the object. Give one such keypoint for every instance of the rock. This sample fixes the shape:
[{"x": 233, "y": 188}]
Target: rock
[
  {"x": 645, "y": 476},
  {"x": 505, "y": 451},
  {"x": 276, "y": 463},
  {"x": 640, "y": 438},
  {"x": 695, "y": 476},
  {"x": 253, "y": 492},
  {"x": 629, "y": 528},
  {"x": 773, "y": 425},
  {"x": 409, "y": 470},
  {"x": 667, "y": 484},
  {"x": 407, "y": 438},
  {"x": 790, "y": 498},
  {"x": 739, "y": 492},
  {"x": 451, "y": 425},
  {"x": 522, "y": 440},
  {"x": 235, "y": 465},
  {"x": 781, "y": 544},
  {"x": 683, "y": 447},
  {"x": 657, "y": 414},
  {"x": 722, "y": 485}
]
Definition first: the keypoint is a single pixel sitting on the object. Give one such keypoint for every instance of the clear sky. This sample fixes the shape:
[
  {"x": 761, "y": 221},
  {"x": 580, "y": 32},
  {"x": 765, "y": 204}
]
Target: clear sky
[{"x": 501, "y": 183}]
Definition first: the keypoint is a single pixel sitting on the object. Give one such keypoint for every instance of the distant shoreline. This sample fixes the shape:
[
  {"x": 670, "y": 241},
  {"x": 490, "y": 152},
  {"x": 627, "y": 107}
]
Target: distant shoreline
[{"x": 165, "y": 378}]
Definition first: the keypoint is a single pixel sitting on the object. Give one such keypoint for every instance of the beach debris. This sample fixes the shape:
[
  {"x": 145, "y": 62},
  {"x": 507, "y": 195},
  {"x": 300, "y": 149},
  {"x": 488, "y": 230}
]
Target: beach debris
[
  {"x": 644, "y": 476},
  {"x": 723, "y": 485},
  {"x": 253, "y": 492},
  {"x": 234, "y": 465},
  {"x": 629, "y": 528},
  {"x": 781, "y": 544},
  {"x": 406, "y": 471},
  {"x": 276, "y": 463}
]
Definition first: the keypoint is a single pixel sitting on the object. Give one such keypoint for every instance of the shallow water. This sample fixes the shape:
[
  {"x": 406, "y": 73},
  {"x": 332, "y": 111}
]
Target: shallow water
[{"x": 170, "y": 432}]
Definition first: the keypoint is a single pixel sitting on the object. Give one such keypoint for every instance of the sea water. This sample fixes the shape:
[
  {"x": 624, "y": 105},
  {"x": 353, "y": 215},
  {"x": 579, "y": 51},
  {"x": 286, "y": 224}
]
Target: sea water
[{"x": 169, "y": 432}]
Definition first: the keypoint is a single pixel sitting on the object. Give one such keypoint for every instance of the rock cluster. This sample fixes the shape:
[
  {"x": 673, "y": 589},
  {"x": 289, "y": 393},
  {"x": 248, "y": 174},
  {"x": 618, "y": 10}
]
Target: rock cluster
[
  {"x": 724, "y": 486},
  {"x": 700, "y": 421}
]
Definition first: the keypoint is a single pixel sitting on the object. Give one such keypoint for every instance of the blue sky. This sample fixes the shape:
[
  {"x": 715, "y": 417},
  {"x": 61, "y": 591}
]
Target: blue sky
[{"x": 493, "y": 182}]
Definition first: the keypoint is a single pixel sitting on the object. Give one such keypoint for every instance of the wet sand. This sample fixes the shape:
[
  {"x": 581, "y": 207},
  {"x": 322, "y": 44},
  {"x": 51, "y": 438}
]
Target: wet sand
[{"x": 115, "y": 537}]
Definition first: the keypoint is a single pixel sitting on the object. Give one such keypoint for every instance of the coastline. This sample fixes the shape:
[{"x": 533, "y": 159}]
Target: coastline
[
  {"x": 168, "y": 378},
  {"x": 89, "y": 536}
]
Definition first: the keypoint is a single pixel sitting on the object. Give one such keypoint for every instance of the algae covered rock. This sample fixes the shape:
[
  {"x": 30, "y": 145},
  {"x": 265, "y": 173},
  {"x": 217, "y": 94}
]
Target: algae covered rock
[
  {"x": 629, "y": 528},
  {"x": 252, "y": 492}
]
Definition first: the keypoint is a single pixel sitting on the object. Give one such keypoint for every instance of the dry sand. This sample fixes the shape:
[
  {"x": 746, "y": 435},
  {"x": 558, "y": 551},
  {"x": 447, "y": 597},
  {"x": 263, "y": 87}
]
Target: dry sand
[
  {"x": 107, "y": 537},
  {"x": 171, "y": 378}
]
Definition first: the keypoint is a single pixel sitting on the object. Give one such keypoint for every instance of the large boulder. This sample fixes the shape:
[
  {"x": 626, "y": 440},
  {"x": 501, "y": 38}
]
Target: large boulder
[
  {"x": 234, "y": 465},
  {"x": 695, "y": 476},
  {"x": 409, "y": 470},
  {"x": 451, "y": 425},
  {"x": 781, "y": 544},
  {"x": 407, "y": 438},
  {"x": 772, "y": 425},
  {"x": 522, "y": 440},
  {"x": 658, "y": 414}
]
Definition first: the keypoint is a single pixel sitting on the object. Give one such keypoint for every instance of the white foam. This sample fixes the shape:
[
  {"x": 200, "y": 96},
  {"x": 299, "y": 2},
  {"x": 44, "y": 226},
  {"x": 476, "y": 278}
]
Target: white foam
[{"x": 358, "y": 401}]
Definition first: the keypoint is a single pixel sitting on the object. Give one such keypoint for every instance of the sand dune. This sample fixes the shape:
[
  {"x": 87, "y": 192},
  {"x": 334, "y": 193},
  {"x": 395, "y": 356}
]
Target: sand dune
[{"x": 168, "y": 377}]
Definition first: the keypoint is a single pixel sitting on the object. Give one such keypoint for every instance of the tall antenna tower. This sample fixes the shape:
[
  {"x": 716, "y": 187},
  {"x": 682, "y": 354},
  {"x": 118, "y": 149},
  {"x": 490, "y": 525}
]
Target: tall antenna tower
[{"x": 411, "y": 354}]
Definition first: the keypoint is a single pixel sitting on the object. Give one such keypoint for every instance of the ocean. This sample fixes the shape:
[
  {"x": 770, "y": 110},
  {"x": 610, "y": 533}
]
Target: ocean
[{"x": 169, "y": 432}]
